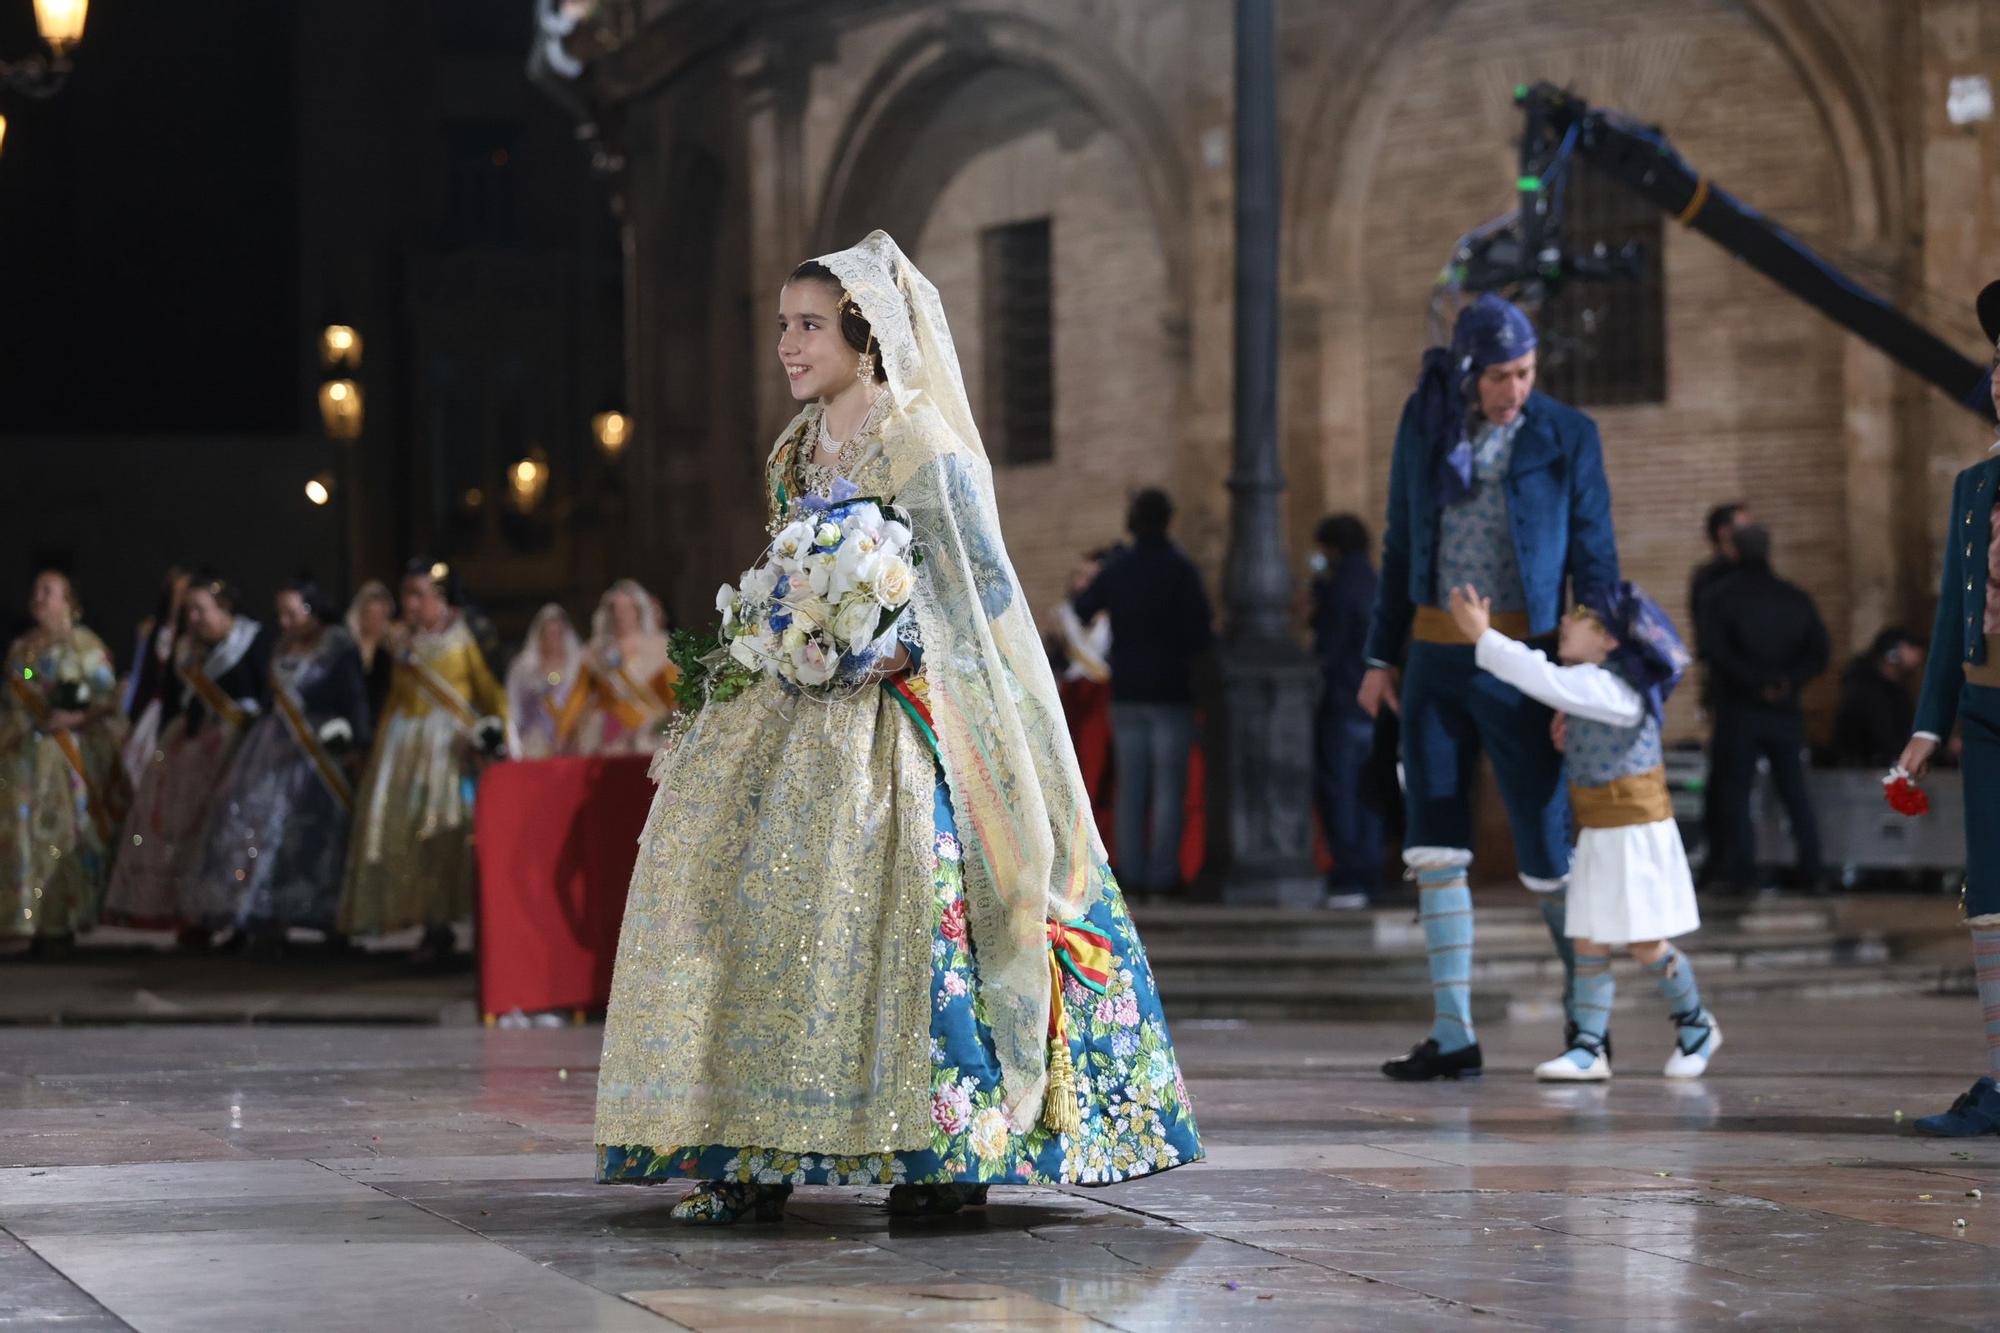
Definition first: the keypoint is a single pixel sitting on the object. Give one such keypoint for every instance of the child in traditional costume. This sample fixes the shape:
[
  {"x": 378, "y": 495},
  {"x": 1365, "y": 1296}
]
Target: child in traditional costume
[{"x": 1629, "y": 882}]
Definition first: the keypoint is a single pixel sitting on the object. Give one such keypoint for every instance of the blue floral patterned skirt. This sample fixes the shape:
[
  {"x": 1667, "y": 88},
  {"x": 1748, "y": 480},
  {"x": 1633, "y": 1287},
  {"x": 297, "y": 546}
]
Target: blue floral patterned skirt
[{"x": 1136, "y": 1116}]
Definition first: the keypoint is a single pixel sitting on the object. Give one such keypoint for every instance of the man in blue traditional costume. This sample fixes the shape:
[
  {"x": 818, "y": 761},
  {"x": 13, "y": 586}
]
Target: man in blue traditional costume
[
  {"x": 1502, "y": 488},
  {"x": 1962, "y": 689}
]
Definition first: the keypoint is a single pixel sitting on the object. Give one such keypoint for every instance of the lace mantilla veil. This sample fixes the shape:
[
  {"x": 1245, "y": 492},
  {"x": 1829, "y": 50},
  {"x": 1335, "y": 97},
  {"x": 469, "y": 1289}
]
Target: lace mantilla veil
[{"x": 1031, "y": 845}]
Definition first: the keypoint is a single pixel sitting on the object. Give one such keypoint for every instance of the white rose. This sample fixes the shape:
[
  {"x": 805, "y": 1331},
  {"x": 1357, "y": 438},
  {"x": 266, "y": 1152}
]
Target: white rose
[
  {"x": 894, "y": 581},
  {"x": 828, "y": 534},
  {"x": 811, "y": 610},
  {"x": 855, "y": 624},
  {"x": 795, "y": 638}
]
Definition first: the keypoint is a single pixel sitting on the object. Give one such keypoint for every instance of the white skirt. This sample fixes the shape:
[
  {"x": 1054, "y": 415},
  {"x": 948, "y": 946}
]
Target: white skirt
[{"x": 1629, "y": 885}]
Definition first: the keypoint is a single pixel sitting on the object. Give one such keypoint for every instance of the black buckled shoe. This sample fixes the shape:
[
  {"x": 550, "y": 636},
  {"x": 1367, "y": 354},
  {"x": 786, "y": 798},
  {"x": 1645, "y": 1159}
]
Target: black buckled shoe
[{"x": 1426, "y": 1062}]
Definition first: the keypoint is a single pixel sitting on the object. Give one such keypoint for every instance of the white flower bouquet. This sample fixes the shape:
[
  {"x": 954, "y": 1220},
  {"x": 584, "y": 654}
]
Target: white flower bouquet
[{"x": 822, "y": 604}]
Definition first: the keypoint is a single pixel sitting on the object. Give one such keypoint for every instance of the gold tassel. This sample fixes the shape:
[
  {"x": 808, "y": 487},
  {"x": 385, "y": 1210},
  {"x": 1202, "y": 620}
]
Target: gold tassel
[{"x": 1059, "y": 1111}]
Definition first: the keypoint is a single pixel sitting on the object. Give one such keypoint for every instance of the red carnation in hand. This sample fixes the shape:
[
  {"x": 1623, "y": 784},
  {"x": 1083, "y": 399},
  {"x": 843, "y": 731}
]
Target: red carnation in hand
[{"x": 1905, "y": 797}]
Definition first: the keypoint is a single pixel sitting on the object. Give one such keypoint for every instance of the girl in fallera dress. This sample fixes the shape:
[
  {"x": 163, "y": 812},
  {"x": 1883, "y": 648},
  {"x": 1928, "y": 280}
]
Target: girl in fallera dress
[
  {"x": 539, "y": 684},
  {"x": 1629, "y": 884},
  {"x": 625, "y": 687},
  {"x": 277, "y": 831},
  {"x": 871, "y": 938},
  {"x": 222, "y": 683},
  {"x": 410, "y": 860},
  {"x": 60, "y": 775}
]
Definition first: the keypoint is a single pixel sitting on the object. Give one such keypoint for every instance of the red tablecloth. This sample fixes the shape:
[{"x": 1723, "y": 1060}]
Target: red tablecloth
[{"x": 556, "y": 842}]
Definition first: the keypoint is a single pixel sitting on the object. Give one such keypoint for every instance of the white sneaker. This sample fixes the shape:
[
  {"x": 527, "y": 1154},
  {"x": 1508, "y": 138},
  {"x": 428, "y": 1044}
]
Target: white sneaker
[
  {"x": 1693, "y": 1064},
  {"x": 1562, "y": 1069}
]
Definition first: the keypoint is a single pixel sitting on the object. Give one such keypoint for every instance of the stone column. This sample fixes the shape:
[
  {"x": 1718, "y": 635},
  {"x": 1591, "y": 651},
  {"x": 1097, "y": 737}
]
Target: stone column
[
  {"x": 773, "y": 98},
  {"x": 1261, "y": 833}
]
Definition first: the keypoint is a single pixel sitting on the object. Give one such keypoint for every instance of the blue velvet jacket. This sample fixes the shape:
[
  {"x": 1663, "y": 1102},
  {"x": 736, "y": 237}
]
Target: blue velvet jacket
[
  {"x": 1557, "y": 499},
  {"x": 1958, "y": 636}
]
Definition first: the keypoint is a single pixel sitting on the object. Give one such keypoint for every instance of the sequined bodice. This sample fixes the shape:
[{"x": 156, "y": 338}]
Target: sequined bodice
[{"x": 860, "y": 459}]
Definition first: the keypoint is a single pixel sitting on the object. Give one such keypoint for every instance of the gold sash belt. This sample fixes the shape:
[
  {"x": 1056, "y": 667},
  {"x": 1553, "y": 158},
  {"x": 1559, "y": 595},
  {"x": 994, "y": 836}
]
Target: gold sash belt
[
  {"x": 1640, "y": 798},
  {"x": 1435, "y": 625},
  {"x": 1986, "y": 673}
]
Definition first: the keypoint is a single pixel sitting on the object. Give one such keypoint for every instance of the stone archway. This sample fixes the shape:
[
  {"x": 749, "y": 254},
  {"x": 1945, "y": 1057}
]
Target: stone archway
[
  {"x": 972, "y": 122},
  {"x": 938, "y": 54}
]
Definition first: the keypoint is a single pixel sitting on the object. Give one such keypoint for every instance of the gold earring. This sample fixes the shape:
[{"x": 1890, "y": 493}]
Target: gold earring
[{"x": 864, "y": 369}]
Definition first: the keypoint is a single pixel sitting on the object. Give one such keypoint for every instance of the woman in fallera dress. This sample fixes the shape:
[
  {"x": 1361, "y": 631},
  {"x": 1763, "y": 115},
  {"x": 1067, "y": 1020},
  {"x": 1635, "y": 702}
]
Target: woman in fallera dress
[
  {"x": 222, "y": 682},
  {"x": 409, "y": 861},
  {"x": 60, "y": 776},
  {"x": 871, "y": 937},
  {"x": 277, "y": 831},
  {"x": 539, "y": 683},
  {"x": 625, "y": 688}
]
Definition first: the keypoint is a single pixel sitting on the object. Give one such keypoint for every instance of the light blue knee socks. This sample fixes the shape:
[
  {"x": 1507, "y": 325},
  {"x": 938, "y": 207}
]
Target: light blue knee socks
[
  {"x": 1555, "y": 912},
  {"x": 1594, "y": 989},
  {"x": 1675, "y": 977},
  {"x": 1446, "y": 906}
]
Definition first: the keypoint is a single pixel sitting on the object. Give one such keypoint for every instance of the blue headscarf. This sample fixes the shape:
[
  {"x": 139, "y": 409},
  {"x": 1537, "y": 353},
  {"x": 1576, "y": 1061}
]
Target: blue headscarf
[
  {"x": 1489, "y": 331},
  {"x": 1650, "y": 656}
]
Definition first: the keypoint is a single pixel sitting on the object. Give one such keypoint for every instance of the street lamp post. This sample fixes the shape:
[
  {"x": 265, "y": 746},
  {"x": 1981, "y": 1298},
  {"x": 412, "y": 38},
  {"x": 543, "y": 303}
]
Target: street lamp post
[
  {"x": 1263, "y": 839},
  {"x": 343, "y": 416},
  {"x": 60, "y": 23}
]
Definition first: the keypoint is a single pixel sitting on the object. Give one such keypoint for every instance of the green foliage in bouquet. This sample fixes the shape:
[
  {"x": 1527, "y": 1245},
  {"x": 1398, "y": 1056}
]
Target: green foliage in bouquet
[{"x": 708, "y": 673}]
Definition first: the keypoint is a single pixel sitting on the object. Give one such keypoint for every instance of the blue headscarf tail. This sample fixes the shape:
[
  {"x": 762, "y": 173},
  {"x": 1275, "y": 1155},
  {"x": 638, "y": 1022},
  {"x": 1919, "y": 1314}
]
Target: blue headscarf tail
[
  {"x": 1488, "y": 332},
  {"x": 1650, "y": 656}
]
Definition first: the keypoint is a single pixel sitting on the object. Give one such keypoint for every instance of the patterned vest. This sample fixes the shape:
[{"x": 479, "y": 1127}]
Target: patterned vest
[
  {"x": 1617, "y": 775},
  {"x": 1476, "y": 537}
]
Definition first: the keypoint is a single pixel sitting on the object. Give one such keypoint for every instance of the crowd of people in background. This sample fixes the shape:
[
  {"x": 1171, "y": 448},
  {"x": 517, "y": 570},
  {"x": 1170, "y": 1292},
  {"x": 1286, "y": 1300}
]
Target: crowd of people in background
[
  {"x": 239, "y": 779},
  {"x": 1128, "y": 637}
]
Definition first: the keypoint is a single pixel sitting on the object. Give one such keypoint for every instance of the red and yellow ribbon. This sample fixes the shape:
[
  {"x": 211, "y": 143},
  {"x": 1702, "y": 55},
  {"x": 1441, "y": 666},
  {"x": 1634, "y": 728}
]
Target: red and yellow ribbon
[{"x": 1084, "y": 954}]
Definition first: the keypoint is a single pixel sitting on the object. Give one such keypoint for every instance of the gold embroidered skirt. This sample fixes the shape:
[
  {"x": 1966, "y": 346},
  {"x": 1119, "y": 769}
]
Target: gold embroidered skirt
[{"x": 773, "y": 971}]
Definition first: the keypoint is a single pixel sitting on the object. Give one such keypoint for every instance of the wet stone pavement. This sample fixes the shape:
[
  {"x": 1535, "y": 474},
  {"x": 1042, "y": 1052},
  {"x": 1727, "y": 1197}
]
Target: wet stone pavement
[{"x": 265, "y": 1178}]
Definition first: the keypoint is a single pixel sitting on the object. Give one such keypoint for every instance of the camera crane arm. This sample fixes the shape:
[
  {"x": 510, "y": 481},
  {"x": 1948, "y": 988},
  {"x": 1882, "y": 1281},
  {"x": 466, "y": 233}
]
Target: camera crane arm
[{"x": 1560, "y": 125}]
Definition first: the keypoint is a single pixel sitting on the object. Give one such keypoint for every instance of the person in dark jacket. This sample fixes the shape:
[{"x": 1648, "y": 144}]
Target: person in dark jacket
[
  {"x": 1343, "y": 600},
  {"x": 1962, "y": 690},
  {"x": 1723, "y": 521},
  {"x": 1877, "y": 711},
  {"x": 1160, "y": 623},
  {"x": 1764, "y": 641}
]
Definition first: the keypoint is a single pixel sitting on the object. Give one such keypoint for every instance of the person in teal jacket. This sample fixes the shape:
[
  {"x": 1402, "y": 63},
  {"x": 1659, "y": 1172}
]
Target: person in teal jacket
[
  {"x": 1962, "y": 685},
  {"x": 1502, "y": 488}
]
